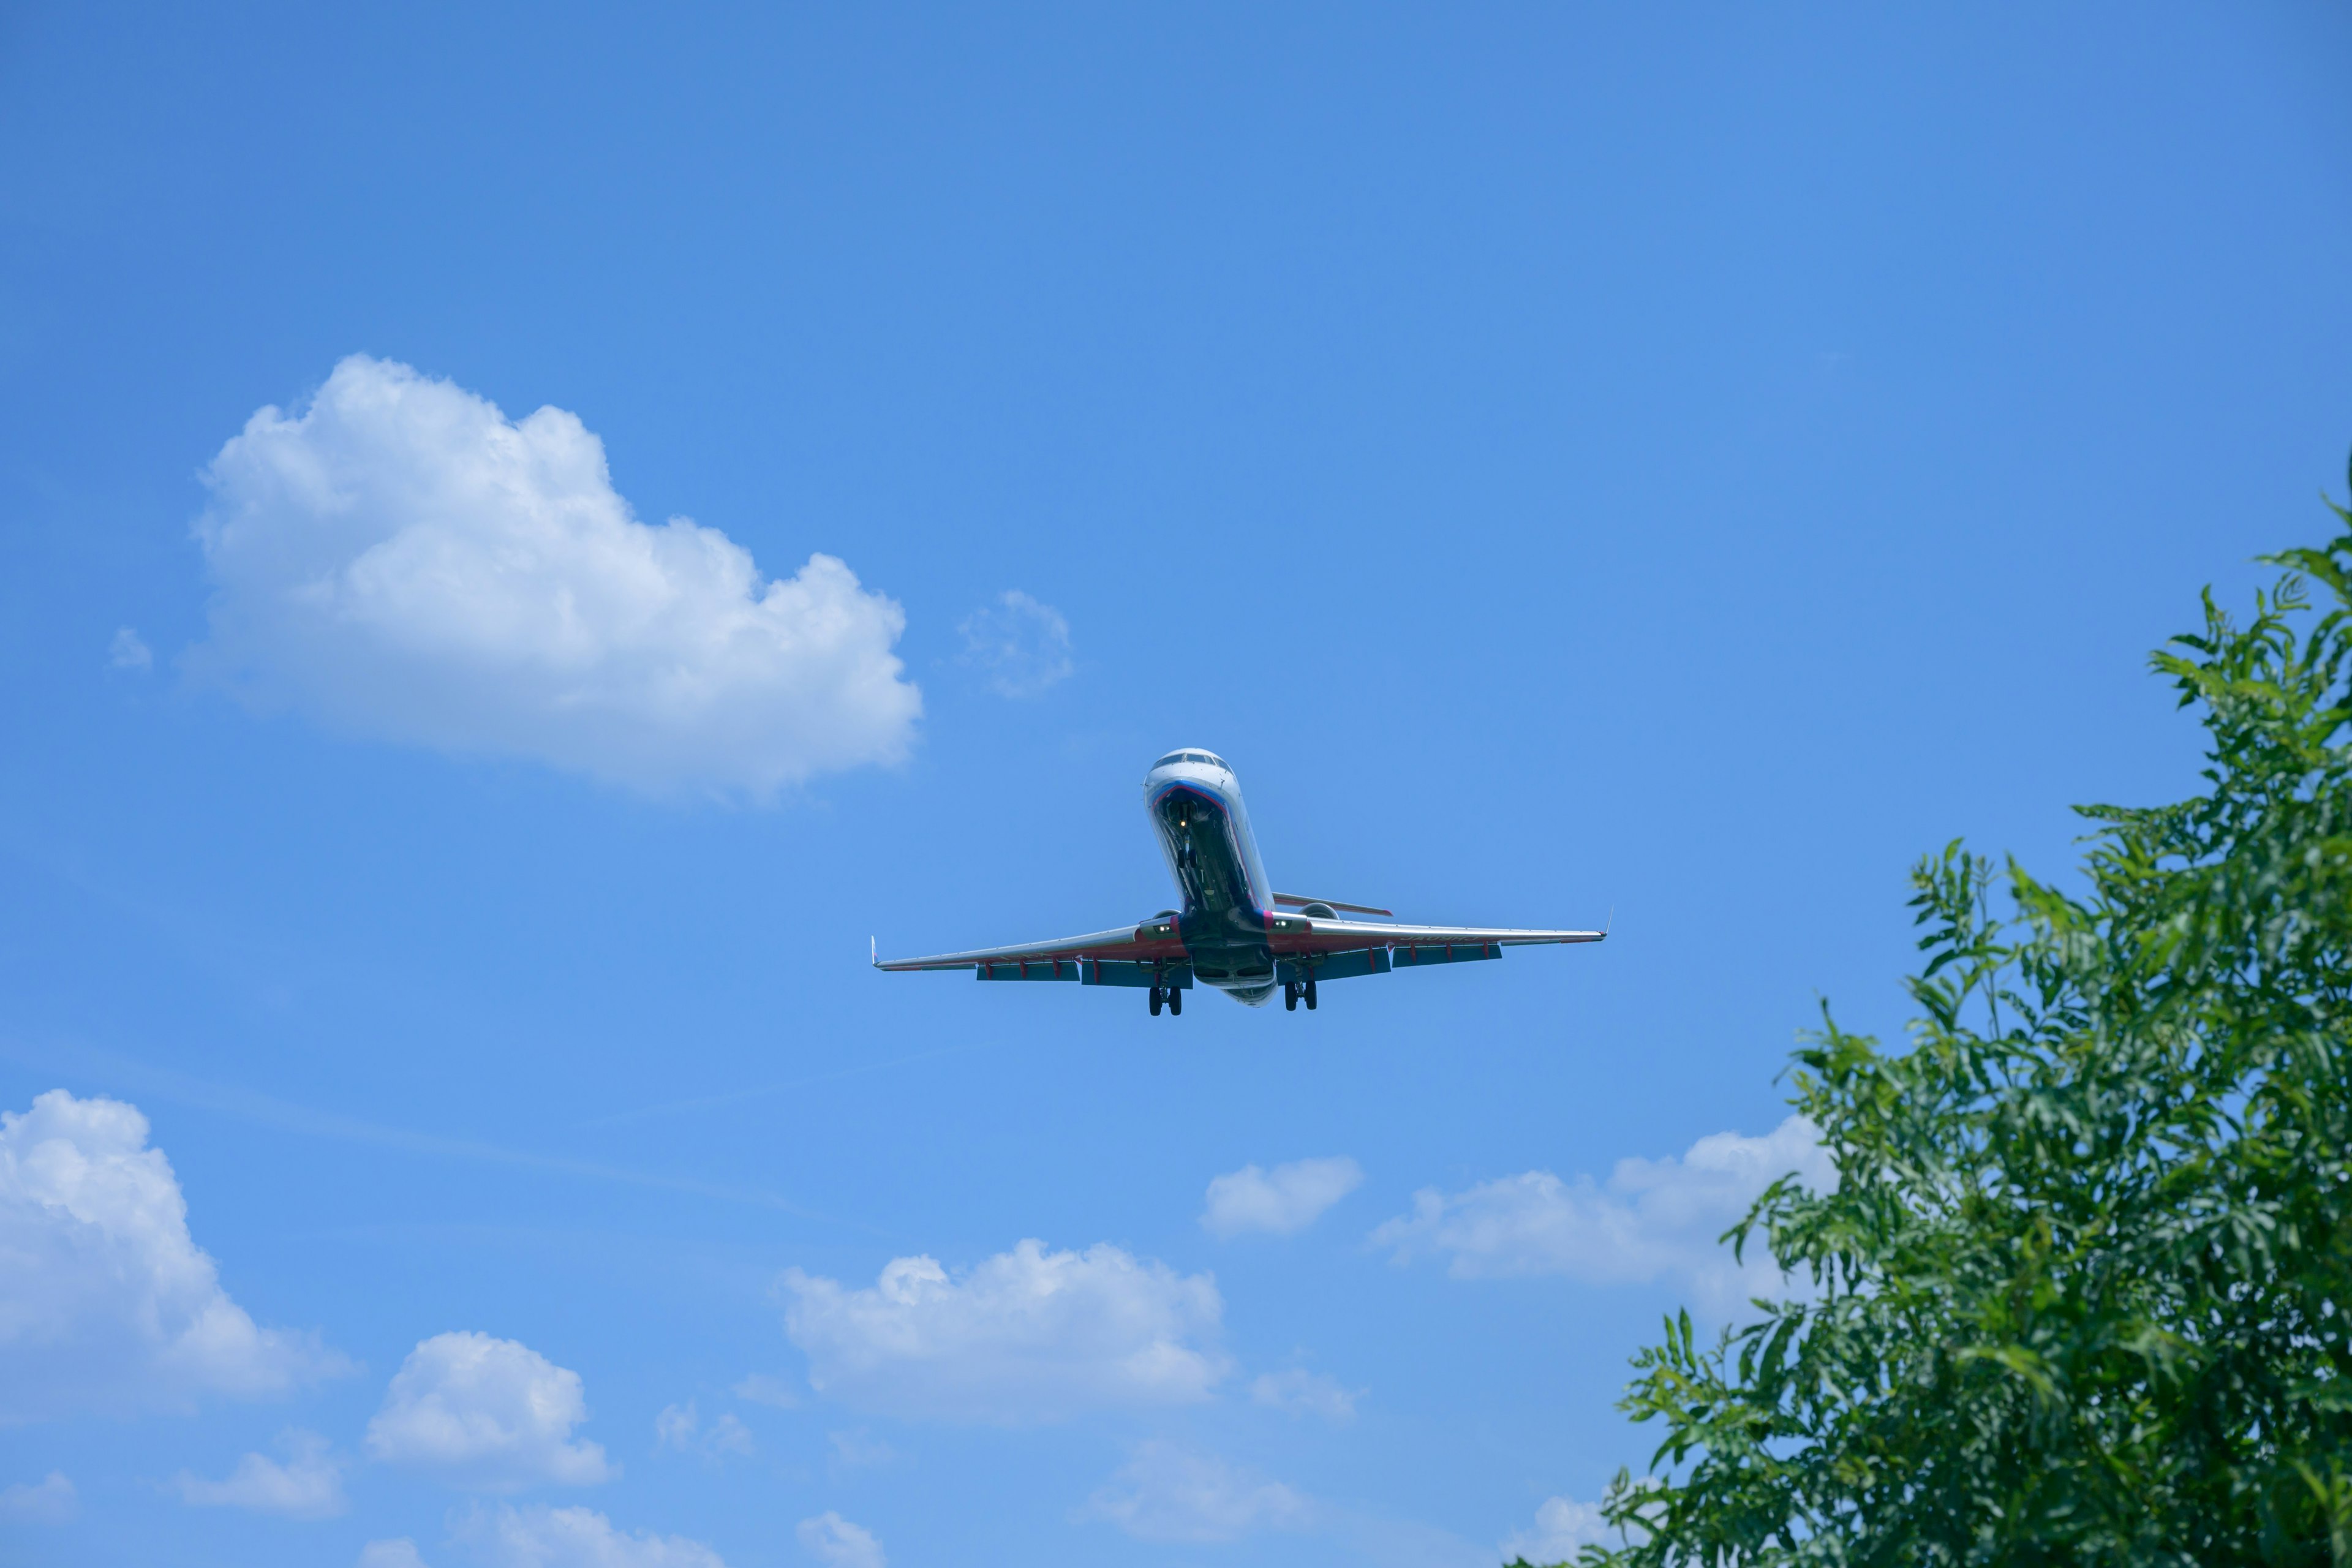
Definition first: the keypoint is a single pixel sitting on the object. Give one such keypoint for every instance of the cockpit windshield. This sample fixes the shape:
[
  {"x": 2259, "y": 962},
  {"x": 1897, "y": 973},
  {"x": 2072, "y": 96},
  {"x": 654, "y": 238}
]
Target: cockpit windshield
[{"x": 1211, "y": 758}]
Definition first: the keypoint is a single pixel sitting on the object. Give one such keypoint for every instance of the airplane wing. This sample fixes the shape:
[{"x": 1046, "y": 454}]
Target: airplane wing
[
  {"x": 1102, "y": 958},
  {"x": 1151, "y": 954},
  {"x": 1298, "y": 936}
]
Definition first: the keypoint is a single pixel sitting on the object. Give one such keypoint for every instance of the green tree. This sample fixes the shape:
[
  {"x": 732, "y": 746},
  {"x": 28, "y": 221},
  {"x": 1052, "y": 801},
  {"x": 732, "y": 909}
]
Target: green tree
[{"x": 2081, "y": 1293}]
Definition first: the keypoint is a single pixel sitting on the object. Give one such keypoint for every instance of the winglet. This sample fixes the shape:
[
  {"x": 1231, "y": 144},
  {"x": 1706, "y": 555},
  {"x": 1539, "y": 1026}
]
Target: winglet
[
  {"x": 874, "y": 952},
  {"x": 1611, "y": 924}
]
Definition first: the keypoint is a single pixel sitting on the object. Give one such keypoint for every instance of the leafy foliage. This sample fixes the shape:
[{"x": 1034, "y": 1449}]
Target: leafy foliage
[{"x": 2081, "y": 1292}]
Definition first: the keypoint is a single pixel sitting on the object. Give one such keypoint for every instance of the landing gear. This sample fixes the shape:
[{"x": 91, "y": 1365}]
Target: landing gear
[
  {"x": 1155, "y": 1001},
  {"x": 1310, "y": 991},
  {"x": 1290, "y": 995},
  {"x": 1171, "y": 996}
]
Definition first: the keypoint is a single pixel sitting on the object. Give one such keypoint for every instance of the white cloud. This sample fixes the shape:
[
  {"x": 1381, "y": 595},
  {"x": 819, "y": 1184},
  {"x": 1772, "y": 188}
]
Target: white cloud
[
  {"x": 1028, "y": 1335},
  {"x": 105, "y": 1302},
  {"x": 310, "y": 1485},
  {"x": 485, "y": 1414},
  {"x": 1284, "y": 1200},
  {"x": 129, "y": 650},
  {"x": 855, "y": 1450},
  {"x": 774, "y": 1392},
  {"x": 1021, "y": 646},
  {"x": 52, "y": 1499},
  {"x": 400, "y": 559},
  {"x": 1562, "y": 1528},
  {"x": 1168, "y": 1493},
  {"x": 679, "y": 1427},
  {"x": 838, "y": 1544},
  {"x": 508, "y": 1537},
  {"x": 398, "y": 1553},
  {"x": 1654, "y": 1217},
  {"x": 1301, "y": 1393}
]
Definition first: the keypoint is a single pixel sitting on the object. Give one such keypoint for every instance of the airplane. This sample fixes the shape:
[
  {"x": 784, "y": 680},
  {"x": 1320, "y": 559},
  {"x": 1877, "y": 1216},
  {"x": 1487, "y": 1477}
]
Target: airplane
[{"x": 1232, "y": 932}]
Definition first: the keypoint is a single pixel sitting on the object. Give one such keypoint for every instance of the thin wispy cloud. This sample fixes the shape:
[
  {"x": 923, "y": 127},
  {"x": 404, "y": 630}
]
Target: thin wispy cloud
[
  {"x": 1280, "y": 1202},
  {"x": 1020, "y": 646},
  {"x": 681, "y": 1427},
  {"x": 783, "y": 1085},
  {"x": 267, "y": 1110},
  {"x": 1563, "y": 1527},
  {"x": 53, "y": 1499},
  {"x": 308, "y": 1485},
  {"x": 129, "y": 651},
  {"x": 540, "y": 1537},
  {"x": 1168, "y": 1492},
  {"x": 1298, "y": 1392},
  {"x": 835, "y": 1542}
]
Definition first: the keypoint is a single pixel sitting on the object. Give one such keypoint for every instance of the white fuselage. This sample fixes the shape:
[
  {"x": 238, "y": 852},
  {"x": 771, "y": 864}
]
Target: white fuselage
[{"x": 1195, "y": 805}]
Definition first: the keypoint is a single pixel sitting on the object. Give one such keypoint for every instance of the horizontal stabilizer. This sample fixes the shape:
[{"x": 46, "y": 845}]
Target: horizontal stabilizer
[{"x": 1293, "y": 901}]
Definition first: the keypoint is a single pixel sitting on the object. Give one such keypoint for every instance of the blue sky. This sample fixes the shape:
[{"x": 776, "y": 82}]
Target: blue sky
[{"x": 1683, "y": 464}]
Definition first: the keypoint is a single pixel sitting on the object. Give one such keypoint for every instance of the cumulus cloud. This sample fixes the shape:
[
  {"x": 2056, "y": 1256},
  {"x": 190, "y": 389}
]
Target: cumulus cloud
[
  {"x": 52, "y": 1499},
  {"x": 679, "y": 1427},
  {"x": 1562, "y": 1528},
  {"x": 1283, "y": 1201},
  {"x": 509, "y": 1537},
  {"x": 1022, "y": 646},
  {"x": 105, "y": 1302},
  {"x": 1028, "y": 1335},
  {"x": 398, "y": 1553},
  {"x": 130, "y": 651},
  {"x": 400, "y": 559},
  {"x": 838, "y": 1544},
  {"x": 1169, "y": 1493},
  {"x": 1653, "y": 1218},
  {"x": 310, "y": 1485},
  {"x": 1298, "y": 1392},
  {"x": 488, "y": 1415}
]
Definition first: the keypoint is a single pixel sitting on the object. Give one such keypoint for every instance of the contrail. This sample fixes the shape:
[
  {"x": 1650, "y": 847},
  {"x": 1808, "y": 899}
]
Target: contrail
[
  {"x": 269, "y": 1111},
  {"x": 732, "y": 1096}
]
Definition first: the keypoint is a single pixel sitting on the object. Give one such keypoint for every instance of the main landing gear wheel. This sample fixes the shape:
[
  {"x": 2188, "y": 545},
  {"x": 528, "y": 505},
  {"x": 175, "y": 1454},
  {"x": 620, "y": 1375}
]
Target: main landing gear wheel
[
  {"x": 1155, "y": 1001},
  {"x": 1175, "y": 1001},
  {"x": 1310, "y": 991},
  {"x": 1290, "y": 995}
]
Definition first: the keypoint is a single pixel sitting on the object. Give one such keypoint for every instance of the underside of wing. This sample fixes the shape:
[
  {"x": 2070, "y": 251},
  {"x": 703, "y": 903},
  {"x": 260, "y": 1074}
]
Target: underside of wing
[
  {"x": 1154, "y": 943},
  {"x": 1302, "y": 937}
]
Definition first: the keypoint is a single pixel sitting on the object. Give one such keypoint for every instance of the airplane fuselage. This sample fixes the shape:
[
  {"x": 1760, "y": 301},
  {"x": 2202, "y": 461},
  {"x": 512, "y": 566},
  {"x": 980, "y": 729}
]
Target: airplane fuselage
[{"x": 1196, "y": 804}]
